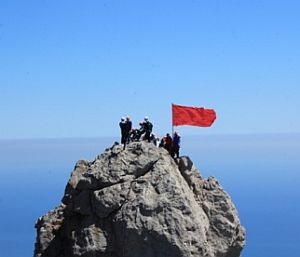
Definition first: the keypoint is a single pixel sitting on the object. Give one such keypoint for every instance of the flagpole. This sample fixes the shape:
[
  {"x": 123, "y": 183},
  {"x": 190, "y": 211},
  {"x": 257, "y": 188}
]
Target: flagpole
[{"x": 172, "y": 120}]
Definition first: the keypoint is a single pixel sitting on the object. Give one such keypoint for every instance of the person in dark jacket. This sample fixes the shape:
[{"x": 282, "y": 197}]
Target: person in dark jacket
[
  {"x": 123, "y": 125},
  {"x": 147, "y": 129},
  {"x": 128, "y": 128},
  {"x": 162, "y": 142},
  {"x": 176, "y": 144},
  {"x": 140, "y": 131}
]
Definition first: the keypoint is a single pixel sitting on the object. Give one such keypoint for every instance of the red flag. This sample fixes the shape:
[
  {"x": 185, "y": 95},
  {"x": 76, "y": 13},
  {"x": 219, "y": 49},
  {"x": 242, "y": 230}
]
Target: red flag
[{"x": 194, "y": 116}]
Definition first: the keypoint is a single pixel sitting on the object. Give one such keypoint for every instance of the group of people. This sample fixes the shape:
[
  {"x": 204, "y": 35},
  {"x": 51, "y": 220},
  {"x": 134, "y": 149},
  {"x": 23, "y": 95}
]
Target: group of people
[
  {"x": 171, "y": 144},
  {"x": 131, "y": 134},
  {"x": 145, "y": 132}
]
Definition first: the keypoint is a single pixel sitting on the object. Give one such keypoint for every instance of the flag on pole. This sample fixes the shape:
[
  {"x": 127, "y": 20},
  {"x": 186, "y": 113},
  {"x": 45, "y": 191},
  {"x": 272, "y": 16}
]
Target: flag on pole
[{"x": 193, "y": 116}]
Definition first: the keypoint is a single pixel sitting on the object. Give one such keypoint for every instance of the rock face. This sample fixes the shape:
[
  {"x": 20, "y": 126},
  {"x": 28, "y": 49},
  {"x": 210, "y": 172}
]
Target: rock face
[{"x": 139, "y": 202}]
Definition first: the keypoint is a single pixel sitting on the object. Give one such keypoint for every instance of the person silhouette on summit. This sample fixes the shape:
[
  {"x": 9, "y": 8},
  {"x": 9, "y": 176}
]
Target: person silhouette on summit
[
  {"x": 168, "y": 144},
  {"x": 128, "y": 128},
  {"x": 148, "y": 126},
  {"x": 137, "y": 133},
  {"x": 176, "y": 144},
  {"x": 123, "y": 126}
]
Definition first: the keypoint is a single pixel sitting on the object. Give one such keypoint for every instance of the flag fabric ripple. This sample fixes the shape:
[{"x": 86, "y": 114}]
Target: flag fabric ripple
[{"x": 193, "y": 116}]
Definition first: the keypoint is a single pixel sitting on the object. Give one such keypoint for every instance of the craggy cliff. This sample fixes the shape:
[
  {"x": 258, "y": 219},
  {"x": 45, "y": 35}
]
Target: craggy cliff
[{"x": 139, "y": 202}]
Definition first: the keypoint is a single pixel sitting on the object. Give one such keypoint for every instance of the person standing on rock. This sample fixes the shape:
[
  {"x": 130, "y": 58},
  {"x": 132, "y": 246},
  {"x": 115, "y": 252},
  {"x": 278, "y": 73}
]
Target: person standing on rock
[
  {"x": 128, "y": 128},
  {"x": 123, "y": 128},
  {"x": 148, "y": 126},
  {"x": 168, "y": 144},
  {"x": 176, "y": 144}
]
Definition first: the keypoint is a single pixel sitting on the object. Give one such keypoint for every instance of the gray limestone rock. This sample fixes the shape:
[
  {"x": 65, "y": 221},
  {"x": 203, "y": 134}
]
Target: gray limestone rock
[{"x": 139, "y": 202}]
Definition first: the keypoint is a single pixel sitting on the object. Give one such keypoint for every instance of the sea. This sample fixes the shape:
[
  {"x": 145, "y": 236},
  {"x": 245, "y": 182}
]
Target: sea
[{"x": 260, "y": 172}]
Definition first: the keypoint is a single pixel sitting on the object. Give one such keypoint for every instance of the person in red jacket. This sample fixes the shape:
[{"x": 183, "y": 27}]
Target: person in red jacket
[{"x": 168, "y": 143}]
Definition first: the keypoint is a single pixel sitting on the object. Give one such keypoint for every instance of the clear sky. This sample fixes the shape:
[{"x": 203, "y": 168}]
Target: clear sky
[{"x": 72, "y": 68}]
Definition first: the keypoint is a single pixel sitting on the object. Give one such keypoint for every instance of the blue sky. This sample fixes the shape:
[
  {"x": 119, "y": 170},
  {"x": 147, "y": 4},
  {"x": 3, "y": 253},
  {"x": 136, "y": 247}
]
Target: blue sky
[{"x": 73, "y": 68}]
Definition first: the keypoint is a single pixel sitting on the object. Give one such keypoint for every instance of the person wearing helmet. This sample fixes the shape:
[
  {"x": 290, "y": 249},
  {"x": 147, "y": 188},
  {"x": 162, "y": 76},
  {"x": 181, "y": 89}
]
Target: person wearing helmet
[
  {"x": 147, "y": 128},
  {"x": 122, "y": 125}
]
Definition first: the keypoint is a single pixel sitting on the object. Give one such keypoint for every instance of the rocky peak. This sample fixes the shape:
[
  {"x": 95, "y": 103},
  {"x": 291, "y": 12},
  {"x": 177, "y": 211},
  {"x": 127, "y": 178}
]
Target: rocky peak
[{"x": 140, "y": 202}]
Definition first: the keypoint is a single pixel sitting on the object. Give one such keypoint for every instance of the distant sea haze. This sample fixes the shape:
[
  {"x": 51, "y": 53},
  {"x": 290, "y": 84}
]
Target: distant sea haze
[{"x": 260, "y": 172}]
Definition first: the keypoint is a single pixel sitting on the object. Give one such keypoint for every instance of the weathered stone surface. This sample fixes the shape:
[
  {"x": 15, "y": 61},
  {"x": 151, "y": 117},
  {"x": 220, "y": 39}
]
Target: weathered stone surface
[{"x": 140, "y": 202}]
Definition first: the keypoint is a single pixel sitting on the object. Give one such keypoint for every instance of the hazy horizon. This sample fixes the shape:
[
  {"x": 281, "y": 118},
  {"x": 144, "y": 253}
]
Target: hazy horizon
[{"x": 117, "y": 138}]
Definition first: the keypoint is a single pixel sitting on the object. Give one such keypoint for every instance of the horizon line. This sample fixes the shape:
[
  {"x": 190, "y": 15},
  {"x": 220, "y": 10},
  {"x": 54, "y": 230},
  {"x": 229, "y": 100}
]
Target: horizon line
[{"x": 188, "y": 135}]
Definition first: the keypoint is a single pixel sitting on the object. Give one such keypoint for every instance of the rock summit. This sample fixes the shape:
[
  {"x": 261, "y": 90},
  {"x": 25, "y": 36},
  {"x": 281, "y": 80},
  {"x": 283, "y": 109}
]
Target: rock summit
[{"x": 140, "y": 202}]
